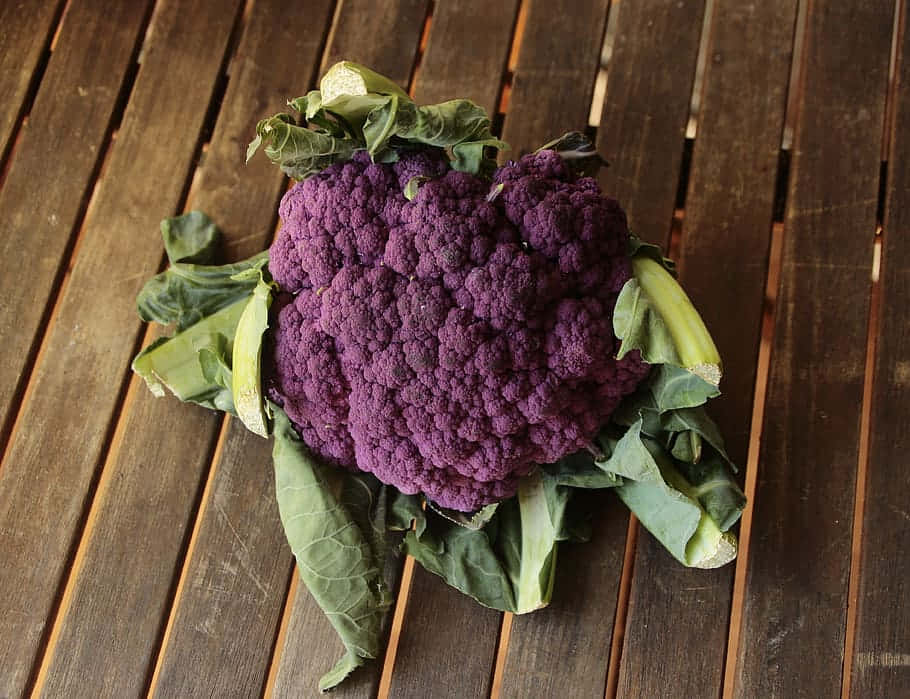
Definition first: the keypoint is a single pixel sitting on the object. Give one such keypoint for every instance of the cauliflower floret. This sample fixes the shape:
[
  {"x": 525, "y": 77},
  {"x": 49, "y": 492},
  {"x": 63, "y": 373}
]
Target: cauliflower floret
[{"x": 449, "y": 344}]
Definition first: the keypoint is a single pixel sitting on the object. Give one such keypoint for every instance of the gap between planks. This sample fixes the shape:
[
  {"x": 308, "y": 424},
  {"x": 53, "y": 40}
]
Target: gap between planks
[
  {"x": 795, "y": 88},
  {"x": 859, "y": 503},
  {"x": 758, "y": 414},
  {"x": 28, "y": 100},
  {"x": 58, "y": 287},
  {"x": 130, "y": 384},
  {"x": 201, "y": 507}
]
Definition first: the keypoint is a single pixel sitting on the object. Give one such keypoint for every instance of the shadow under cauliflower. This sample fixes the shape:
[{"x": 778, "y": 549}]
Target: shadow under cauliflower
[{"x": 451, "y": 343}]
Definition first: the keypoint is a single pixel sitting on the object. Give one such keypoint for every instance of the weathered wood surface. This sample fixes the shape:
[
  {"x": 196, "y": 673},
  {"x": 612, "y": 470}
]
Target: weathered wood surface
[
  {"x": 60, "y": 147},
  {"x": 644, "y": 117},
  {"x": 310, "y": 647},
  {"x": 26, "y": 31},
  {"x": 553, "y": 80},
  {"x": 466, "y": 53},
  {"x": 232, "y": 590},
  {"x": 438, "y": 618},
  {"x": 881, "y": 660},
  {"x": 728, "y": 210},
  {"x": 146, "y": 551},
  {"x": 794, "y": 613},
  {"x": 42, "y": 483},
  {"x": 137, "y": 524}
]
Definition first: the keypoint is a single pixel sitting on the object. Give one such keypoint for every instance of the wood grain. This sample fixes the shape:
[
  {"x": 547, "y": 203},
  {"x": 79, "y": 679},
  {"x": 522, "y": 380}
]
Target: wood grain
[
  {"x": 792, "y": 636},
  {"x": 554, "y": 77},
  {"x": 646, "y": 109},
  {"x": 439, "y": 618},
  {"x": 67, "y": 421},
  {"x": 26, "y": 30},
  {"x": 729, "y": 209},
  {"x": 40, "y": 502},
  {"x": 386, "y": 42},
  {"x": 466, "y": 53},
  {"x": 311, "y": 647},
  {"x": 564, "y": 649},
  {"x": 73, "y": 111},
  {"x": 881, "y": 662},
  {"x": 232, "y": 593}
]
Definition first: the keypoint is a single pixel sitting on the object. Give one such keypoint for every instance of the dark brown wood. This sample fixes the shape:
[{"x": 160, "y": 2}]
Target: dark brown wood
[
  {"x": 382, "y": 35},
  {"x": 39, "y": 502},
  {"x": 72, "y": 113},
  {"x": 233, "y": 591},
  {"x": 66, "y": 422},
  {"x": 554, "y": 78},
  {"x": 568, "y": 643},
  {"x": 646, "y": 109},
  {"x": 439, "y": 618},
  {"x": 881, "y": 661},
  {"x": 793, "y": 621},
  {"x": 234, "y": 584},
  {"x": 26, "y": 30},
  {"x": 447, "y": 646},
  {"x": 466, "y": 52},
  {"x": 729, "y": 208},
  {"x": 311, "y": 647},
  {"x": 564, "y": 649}
]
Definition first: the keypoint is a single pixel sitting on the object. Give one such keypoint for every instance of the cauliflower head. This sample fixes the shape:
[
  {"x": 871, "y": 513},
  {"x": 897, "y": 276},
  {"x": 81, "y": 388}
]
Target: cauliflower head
[{"x": 451, "y": 343}]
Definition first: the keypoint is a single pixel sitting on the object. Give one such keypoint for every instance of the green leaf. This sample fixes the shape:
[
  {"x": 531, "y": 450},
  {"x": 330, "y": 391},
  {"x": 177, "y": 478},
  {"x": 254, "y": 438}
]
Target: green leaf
[
  {"x": 640, "y": 248},
  {"x": 674, "y": 387},
  {"x": 184, "y": 294},
  {"x": 716, "y": 489},
  {"x": 406, "y": 510},
  {"x": 666, "y": 504},
  {"x": 410, "y": 189},
  {"x": 335, "y": 523},
  {"x": 465, "y": 559},
  {"x": 469, "y": 520},
  {"x": 246, "y": 383},
  {"x": 184, "y": 363},
  {"x": 192, "y": 237},
  {"x": 509, "y": 563},
  {"x": 580, "y": 470},
  {"x": 654, "y": 316},
  {"x": 349, "y": 78},
  {"x": 300, "y": 152},
  {"x": 698, "y": 421},
  {"x": 641, "y": 327}
]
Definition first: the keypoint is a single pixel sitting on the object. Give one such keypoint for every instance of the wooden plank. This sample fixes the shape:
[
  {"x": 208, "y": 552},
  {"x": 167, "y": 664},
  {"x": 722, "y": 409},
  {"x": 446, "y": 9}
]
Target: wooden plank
[
  {"x": 729, "y": 209},
  {"x": 447, "y": 645},
  {"x": 70, "y": 120},
  {"x": 387, "y": 43},
  {"x": 567, "y": 644},
  {"x": 547, "y": 638},
  {"x": 40, "y": 497},
  {"x": 645, "y": 112},
  {"x": 77, "y": 387},
  {"x": 26, "y": 30},
  {"x": 232, "y": 592},
  {"x": 438, "y": 618},
  {"x": 792, "y": 636},
  {"x": 466, "y": 52},
  {"x": 554, "y": 78},
  {"x": 881, "y": 661},
  {"x": 382, "y": 35}
]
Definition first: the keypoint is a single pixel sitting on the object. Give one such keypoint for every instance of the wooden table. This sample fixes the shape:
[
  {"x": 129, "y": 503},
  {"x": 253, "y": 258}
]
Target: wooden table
[{"x": 142, "y": 551}]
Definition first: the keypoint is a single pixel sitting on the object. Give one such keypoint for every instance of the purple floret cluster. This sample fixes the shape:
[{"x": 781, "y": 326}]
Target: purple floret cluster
[{"x": 451, "y": 343}]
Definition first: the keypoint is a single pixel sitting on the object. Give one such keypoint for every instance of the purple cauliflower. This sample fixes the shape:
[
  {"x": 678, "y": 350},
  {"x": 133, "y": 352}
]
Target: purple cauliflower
[{"x": 451, "y": 343}]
